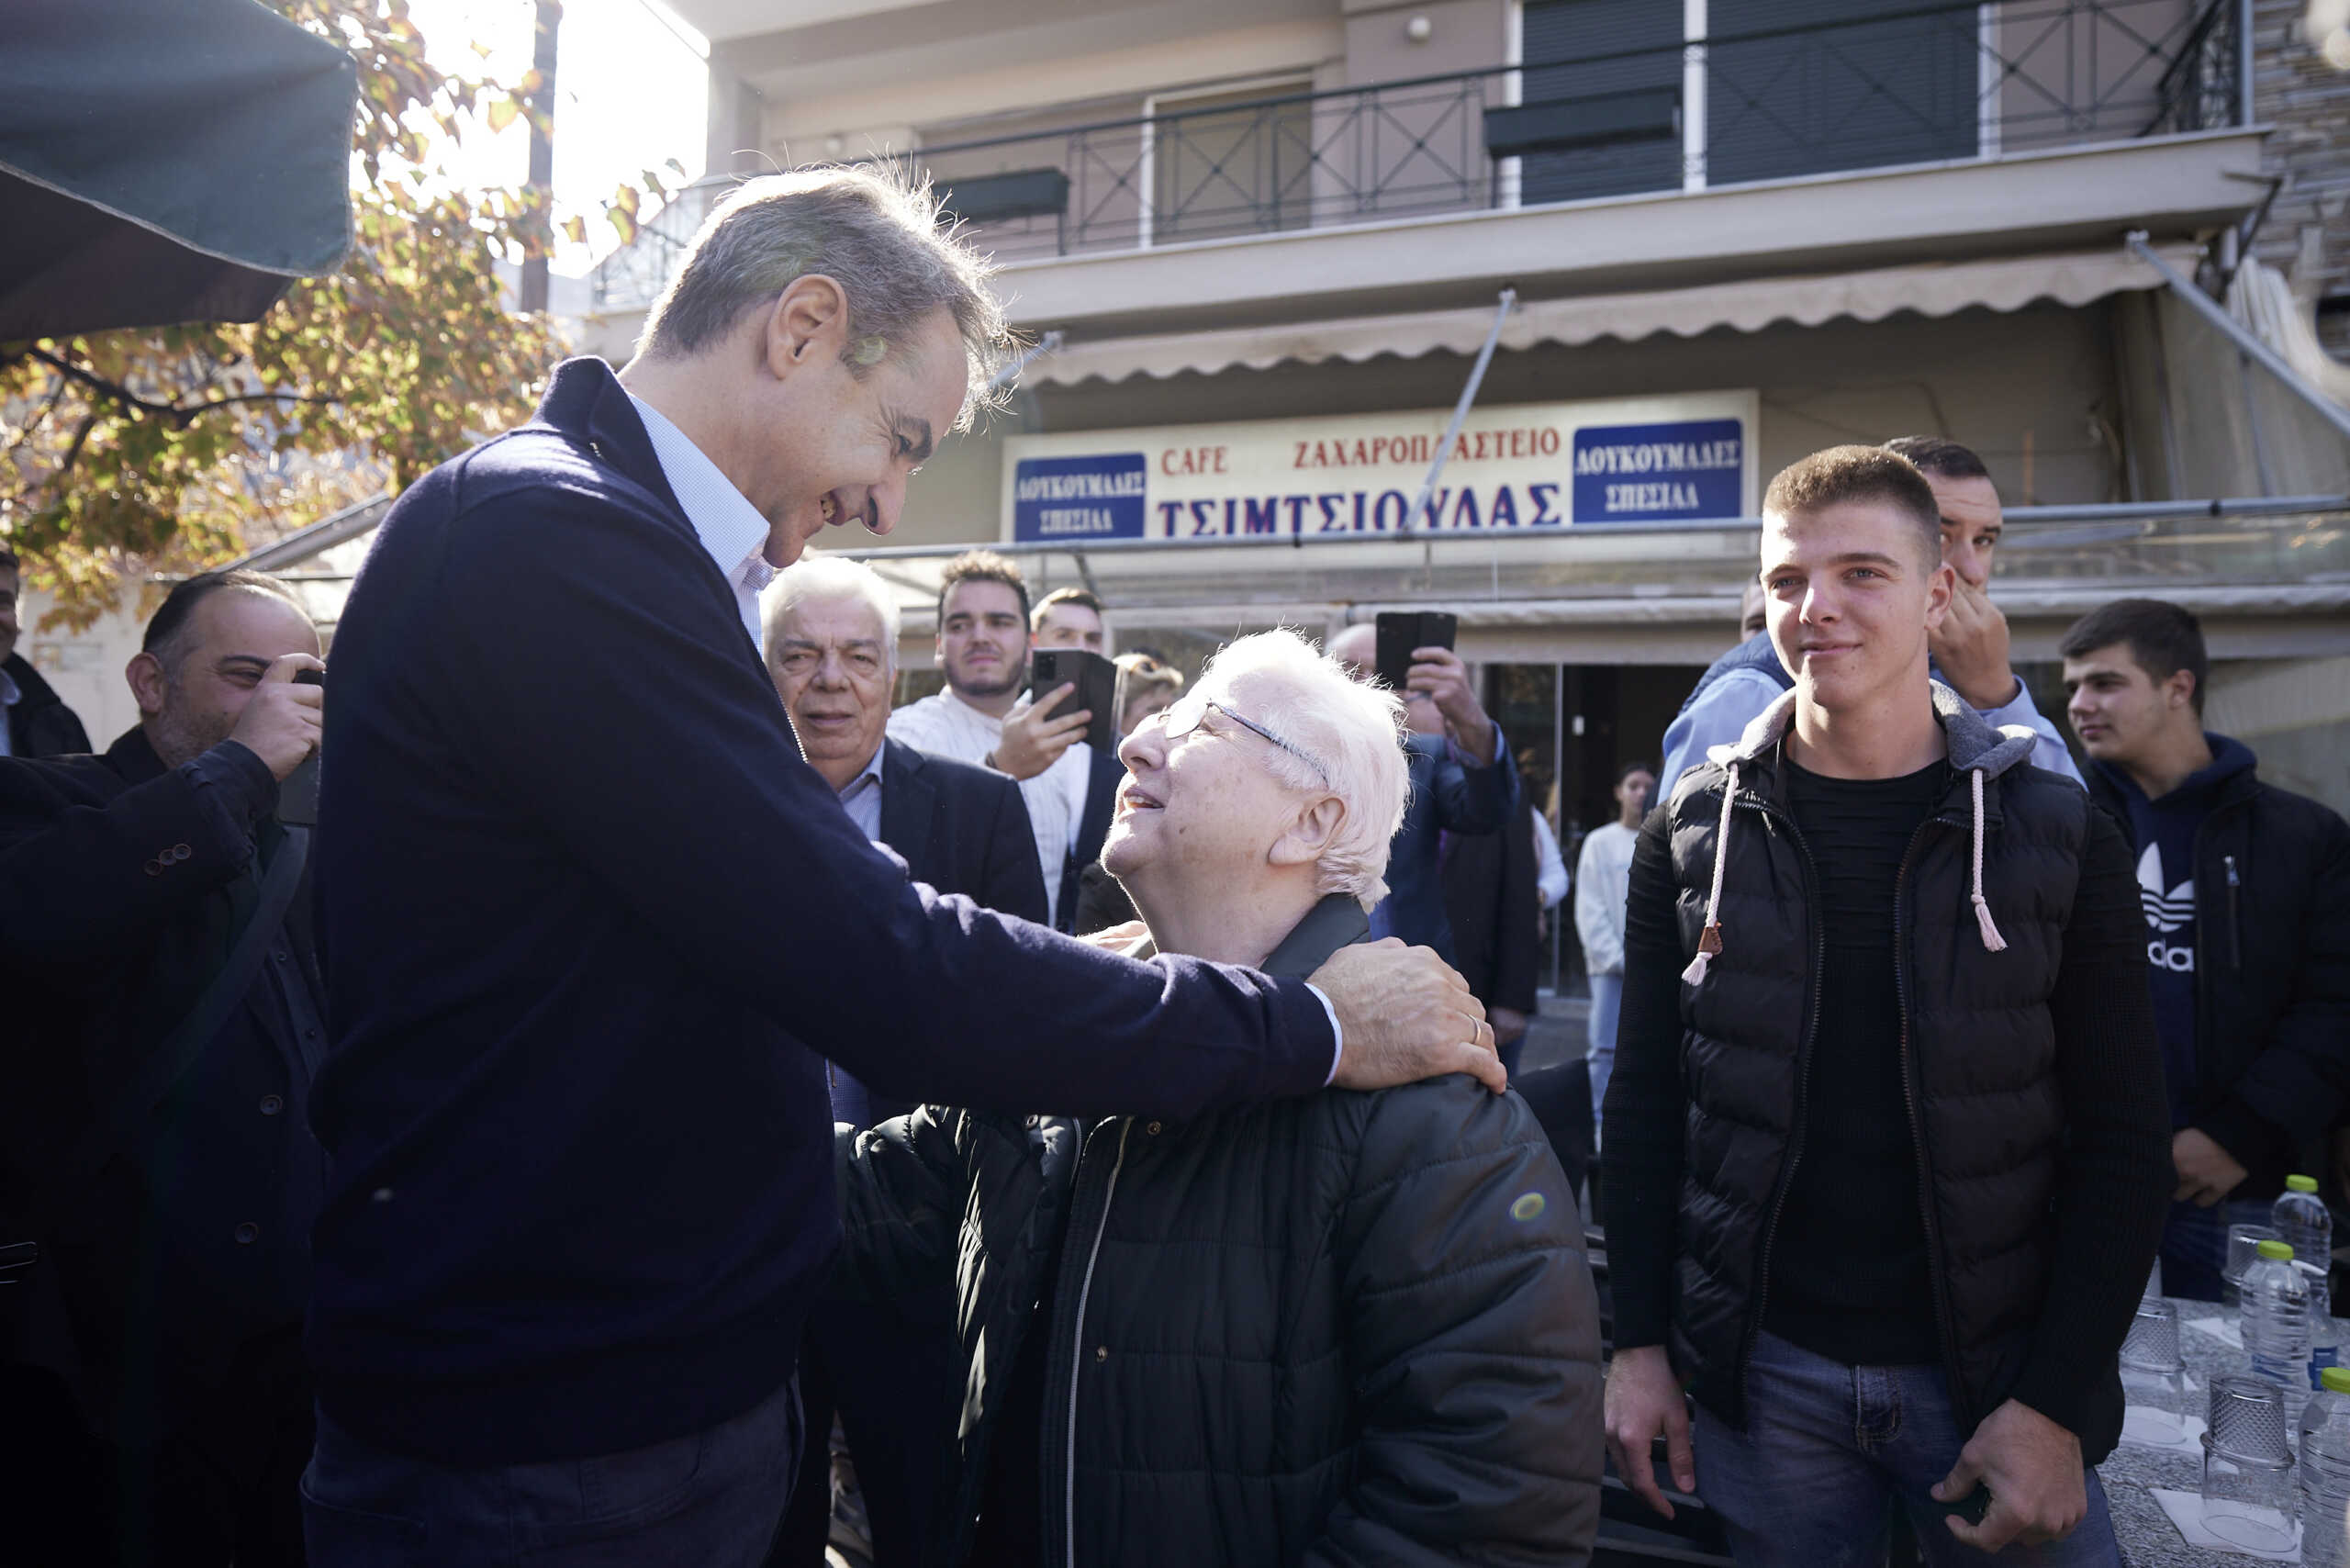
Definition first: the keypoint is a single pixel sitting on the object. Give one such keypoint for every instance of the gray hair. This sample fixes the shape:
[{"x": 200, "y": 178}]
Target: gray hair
[
  {"x": 830, "y": 578},
  {"x": 1355, "y": 730},
  {"x": 877, "y": 234}
]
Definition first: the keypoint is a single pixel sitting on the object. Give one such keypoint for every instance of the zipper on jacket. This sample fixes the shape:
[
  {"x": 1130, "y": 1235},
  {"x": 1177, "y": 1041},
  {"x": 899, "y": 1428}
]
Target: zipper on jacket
[
  {"x": 1077, "y": 1332},
  {"x": 1937, "y": 1285},
  {"x": 2235, "y": 933},
  {"x": 1803, "y": 1085}
]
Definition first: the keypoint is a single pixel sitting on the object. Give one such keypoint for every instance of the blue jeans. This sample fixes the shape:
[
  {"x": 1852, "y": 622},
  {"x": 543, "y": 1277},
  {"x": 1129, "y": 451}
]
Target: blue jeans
[
  {"x": 1606, "y": 1003},
  {"x": 2195, "y": 1245},
  {"x": 1830, "y": 1449},
  {"x": 709, "y": 1499}
]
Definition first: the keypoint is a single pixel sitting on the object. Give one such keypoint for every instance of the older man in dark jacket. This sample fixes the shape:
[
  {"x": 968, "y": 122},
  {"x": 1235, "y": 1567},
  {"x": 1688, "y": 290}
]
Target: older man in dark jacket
[
  {"x": 155, "y": 953},
  {"x": 1355, "y": 1328}
]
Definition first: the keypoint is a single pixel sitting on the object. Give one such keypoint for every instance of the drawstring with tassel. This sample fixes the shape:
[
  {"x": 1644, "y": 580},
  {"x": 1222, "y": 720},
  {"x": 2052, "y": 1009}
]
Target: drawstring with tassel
[
  {"x": 1709, "y": 941},
  {"x": 1992, "y": 941}
]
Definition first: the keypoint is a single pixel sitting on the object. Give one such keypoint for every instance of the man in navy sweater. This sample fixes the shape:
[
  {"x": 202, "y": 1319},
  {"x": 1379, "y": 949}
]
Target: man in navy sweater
[{"x": 590, "y": 921}]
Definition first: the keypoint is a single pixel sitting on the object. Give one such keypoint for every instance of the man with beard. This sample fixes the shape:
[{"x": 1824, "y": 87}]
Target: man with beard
[
  {"x": 155, "y": 948},
  {"x": 983, "y": 642}
]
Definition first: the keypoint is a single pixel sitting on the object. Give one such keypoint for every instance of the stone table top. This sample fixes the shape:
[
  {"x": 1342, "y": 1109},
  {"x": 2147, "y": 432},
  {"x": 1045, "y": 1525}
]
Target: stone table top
[{"x": 2147, "y": 1538}]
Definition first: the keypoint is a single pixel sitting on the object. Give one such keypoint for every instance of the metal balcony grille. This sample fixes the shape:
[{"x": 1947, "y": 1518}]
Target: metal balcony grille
[{"x": 1871, "y": 84}]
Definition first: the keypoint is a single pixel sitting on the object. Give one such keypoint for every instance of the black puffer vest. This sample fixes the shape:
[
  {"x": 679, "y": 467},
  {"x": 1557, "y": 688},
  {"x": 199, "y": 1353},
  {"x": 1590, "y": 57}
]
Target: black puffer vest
[{"x": 1978, "y": 953}]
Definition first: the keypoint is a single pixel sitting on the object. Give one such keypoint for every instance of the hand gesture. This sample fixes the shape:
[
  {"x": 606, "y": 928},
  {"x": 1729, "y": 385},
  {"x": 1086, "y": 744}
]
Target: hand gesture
[
  {"x": 1031, "y": 743},
  {"x": 1406, "y": 1016},
  {"x": 1644, "y": 1399},
  {"x": 281, "y": 721},
  {"x": 2032, "y": 1467},
  {"x": 2207, "y": 1172},
  {"x": 1438, "y": 675},
  {"x": 1972, "y": 649}
]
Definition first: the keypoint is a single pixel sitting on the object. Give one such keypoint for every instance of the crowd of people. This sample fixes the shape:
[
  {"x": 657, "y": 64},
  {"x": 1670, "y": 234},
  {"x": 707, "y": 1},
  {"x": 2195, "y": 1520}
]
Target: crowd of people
[{"x": 675, "y": 1106}]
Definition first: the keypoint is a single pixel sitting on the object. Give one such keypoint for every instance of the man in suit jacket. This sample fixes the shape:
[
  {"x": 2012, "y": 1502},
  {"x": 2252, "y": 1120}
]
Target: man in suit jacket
[
  {"x": 34, "y": 720},
  {"x": 153, "y": 1142},
  {"x": 889, "y": 1372},
  {"x": 1462, "y": 782}
]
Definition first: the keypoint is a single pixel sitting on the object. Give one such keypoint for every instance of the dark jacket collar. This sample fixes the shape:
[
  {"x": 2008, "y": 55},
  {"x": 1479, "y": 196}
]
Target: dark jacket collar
[
  {"x": 2231, "y": 775},
  {"x": 587, "y": 402},
  {"x": 1975, "y": 745},
  {"x": 132, "y": 759},
  {"x": 1336, "y": 921},
  {"x": 32, "y": 691}
]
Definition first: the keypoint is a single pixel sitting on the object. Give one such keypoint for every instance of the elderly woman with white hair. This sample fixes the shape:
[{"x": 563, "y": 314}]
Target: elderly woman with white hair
[{"x": 1353, "y": 1328}]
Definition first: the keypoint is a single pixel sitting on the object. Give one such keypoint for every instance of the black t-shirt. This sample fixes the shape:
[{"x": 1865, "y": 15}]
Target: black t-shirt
[{"x": 1849, "y": 1277}]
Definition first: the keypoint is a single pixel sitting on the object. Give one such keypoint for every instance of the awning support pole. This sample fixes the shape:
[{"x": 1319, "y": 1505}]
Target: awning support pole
[
  {"x": 1011, "y": 372},
  {"x": 1461, "y": 411},
  {"x": 2247, "y": 341}
]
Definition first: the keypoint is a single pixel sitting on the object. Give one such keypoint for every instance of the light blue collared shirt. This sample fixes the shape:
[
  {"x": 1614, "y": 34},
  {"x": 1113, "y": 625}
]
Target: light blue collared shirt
[
  {"x": 729, "y": 527},
  {"x": 861, "y": 796}
]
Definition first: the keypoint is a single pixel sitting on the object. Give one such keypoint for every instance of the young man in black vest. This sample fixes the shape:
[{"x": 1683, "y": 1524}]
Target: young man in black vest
[
  {"x": 2246, "y": 892},
  {"x": 1886, "y": 1153}
]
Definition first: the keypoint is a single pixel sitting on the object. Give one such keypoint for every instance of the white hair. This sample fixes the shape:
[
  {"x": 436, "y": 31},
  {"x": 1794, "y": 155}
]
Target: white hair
[
  {"x": 1350, "y": 727},
  {"x": 830, "y": 578}
]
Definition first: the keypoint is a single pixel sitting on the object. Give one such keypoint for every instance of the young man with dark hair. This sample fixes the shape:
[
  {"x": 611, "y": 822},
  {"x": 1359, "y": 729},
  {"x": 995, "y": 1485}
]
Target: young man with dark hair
[
  {"x": 155, "y": 950},
  {"x": 1069, "y": 618},
  {"x": 1969, "y": 649},
  {"x": 987, "y": 717},
  {"x": 1885, "y": 1153},
  {"x": 34, "y": 720},
  {"x": 2246, "y": 894}
]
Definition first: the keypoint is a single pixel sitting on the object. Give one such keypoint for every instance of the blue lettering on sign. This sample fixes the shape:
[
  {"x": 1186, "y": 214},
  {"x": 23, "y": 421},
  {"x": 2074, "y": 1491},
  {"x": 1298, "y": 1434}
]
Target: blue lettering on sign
[
  {"x": 1055, "y": 499},
  {"x": 1659, "y": 473}
]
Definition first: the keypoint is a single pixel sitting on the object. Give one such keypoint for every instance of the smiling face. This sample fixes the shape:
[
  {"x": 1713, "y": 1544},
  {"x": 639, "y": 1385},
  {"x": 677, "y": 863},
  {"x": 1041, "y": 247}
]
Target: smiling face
[
  {"x": 1205, "y": 813},
  {"x": 816, "y": 444},
  {"x": 982, "y": 638},
  {"x": 831, "y": 668},
  {"x": 191, "y": 697},
  {"x": 1970, "y": 525},
  {"x": 1849, "y": 600},
  {"x": 2121, "y": 713}
]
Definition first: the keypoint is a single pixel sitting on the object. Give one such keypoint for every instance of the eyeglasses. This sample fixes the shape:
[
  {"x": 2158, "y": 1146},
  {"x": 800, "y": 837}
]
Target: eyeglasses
[{"x": 1187, "y": 715}]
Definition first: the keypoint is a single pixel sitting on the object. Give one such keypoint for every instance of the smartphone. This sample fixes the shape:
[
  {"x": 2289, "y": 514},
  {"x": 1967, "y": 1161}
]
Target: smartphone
[
  {"x": 1401, "y": 631},
  {"x": 1097, "y": 689},
  {"x": 297, "y": 793}
]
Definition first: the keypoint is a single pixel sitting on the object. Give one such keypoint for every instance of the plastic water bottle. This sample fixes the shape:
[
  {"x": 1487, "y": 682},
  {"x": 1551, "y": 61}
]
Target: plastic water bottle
[
  {"x": 2326, "y": 1470},
  {"x": 2301, "y": 1222},
  {"x": 2277, "y": 1325}
]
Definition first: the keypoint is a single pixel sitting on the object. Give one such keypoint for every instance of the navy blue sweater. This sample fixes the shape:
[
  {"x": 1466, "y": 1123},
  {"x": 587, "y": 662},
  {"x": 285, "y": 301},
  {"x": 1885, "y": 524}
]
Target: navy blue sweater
[{"x": 588, "y": 920}]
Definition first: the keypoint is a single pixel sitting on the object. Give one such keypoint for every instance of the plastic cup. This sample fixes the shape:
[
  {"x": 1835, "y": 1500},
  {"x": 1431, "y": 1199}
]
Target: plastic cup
[{"x": 2249, "y": 1496}]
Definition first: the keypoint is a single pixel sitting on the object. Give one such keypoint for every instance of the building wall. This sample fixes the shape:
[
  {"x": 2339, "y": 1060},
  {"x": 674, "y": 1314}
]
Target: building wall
[
  {"x": 2307, "y": 233},
  {"x": 2035, "y": 392}
]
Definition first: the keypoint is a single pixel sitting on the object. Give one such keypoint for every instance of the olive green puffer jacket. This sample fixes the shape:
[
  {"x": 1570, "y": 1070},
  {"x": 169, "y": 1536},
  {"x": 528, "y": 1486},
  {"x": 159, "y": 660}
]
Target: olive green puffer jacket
[{"x": 1353, "y": 1328}]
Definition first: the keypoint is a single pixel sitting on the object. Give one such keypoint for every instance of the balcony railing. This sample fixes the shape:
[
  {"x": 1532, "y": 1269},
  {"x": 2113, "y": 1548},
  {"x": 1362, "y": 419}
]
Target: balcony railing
[{"x": 1929, "y": 83}]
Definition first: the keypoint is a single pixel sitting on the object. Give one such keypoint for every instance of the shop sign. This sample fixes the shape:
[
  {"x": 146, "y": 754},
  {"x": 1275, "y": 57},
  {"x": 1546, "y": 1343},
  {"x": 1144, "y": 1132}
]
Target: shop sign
[{"x": 1626, "y": 460}]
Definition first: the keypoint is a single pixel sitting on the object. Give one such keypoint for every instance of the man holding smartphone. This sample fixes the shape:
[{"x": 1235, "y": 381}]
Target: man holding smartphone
[
  {"x": 983, "y": 717},
  {"x": 1462, "y": 782}
]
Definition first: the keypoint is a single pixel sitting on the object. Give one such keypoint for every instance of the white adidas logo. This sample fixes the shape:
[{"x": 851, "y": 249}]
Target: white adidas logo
[{"x": 2164, "y": 911}]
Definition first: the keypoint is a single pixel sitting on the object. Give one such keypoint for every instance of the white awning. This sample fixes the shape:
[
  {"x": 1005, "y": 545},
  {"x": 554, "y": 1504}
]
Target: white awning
[{"x": 1936, "y": 289}]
